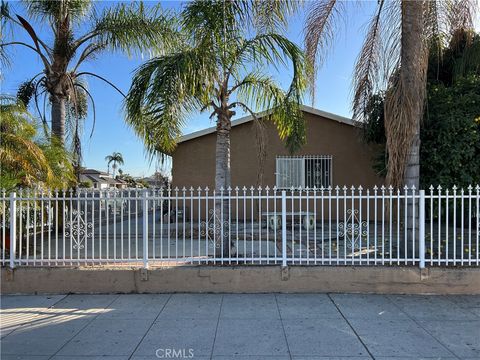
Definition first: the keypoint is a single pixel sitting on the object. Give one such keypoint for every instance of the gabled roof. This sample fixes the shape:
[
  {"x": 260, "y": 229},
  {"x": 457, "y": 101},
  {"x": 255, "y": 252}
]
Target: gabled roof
[
  {"x": 101, "y": 179},
  {"x": 93, "y": 171},
  {"x": 248, "y": 118}
]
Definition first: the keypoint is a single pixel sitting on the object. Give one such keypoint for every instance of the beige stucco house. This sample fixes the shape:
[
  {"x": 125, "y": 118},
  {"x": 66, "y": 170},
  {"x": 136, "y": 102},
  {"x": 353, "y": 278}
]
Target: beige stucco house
[{"x": 333, "y": 155}]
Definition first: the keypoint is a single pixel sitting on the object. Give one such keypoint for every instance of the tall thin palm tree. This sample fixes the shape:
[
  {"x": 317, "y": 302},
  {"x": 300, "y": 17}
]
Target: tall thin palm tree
[
  {"x": 130, "y": 28},
  {"x": 393, "y": 57},
  {"x": 115, "y": 159},
  {"x": 220, "y": 67}
]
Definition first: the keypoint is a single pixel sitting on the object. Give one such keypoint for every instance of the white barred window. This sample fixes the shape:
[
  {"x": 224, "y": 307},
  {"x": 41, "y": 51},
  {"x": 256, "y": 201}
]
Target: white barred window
[{"x": 305, "y": 171}]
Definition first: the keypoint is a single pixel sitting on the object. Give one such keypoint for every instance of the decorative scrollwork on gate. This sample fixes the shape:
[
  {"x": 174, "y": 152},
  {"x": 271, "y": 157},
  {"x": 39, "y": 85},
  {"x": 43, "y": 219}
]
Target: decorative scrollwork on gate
[
  {"x": 212, "y": 229},
  {"x": 352, "y": 230},
  {"x": 78, "y": 229}
]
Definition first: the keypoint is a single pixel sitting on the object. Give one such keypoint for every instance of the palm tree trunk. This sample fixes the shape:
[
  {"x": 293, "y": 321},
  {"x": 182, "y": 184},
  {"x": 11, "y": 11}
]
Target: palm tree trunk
[
  {"x": 222, "y": 182},
  {"x": 58, "y": 117},
  {"x": 222, "y": 153},
  {"x": 413, "y": 62},
  {"x": 413, "y": 69},
  {"x": 412, "y": 170}
]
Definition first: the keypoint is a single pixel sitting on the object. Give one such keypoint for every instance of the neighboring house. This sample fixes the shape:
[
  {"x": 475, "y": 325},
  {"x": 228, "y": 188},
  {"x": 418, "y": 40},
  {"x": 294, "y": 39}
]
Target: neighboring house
[
  {"x": 333, "y": 155},
  {"x": 157, "y": 180},
  {"x": 101, "y": 180}
]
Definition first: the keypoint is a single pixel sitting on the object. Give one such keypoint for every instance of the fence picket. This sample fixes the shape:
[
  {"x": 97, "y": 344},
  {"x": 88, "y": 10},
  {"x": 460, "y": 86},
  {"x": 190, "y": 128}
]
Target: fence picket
[{"x": 322, "y": 226}]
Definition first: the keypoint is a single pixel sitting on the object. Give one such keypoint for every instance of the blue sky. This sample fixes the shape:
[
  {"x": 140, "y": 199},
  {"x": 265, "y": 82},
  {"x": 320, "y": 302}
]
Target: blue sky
[{"x": 333, "y": 91}]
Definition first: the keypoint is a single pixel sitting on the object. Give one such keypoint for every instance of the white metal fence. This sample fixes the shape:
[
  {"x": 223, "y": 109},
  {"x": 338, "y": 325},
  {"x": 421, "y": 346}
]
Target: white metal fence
[{"x": 339, "y": 226}]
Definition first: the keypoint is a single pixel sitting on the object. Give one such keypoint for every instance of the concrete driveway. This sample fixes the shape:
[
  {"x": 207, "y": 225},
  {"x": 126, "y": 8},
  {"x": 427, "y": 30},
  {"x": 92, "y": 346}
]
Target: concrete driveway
[{"x": 262, "y": 326}]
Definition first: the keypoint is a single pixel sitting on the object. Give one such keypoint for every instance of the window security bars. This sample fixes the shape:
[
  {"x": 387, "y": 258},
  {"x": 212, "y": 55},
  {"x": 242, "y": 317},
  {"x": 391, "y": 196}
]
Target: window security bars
[
  {"x": 304, "y": 171},
  {"x": 319, "y": 226}
]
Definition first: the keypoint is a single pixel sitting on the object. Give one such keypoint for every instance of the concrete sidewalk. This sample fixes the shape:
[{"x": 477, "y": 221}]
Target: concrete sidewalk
[{"x": 261, "y": 326}]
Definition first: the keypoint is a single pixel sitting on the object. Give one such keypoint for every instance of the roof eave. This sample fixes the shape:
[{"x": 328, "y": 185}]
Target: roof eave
[{"x": 248, "y": 118}]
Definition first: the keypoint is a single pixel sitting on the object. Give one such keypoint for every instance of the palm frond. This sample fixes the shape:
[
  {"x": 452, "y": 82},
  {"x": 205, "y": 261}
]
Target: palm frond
[
  {"x": 83, "y": 73},
  {"x": 266, "y": 15},
  {"x": 367, "y": 67},
  {"x": 5, "y": 31},
  {"x": 461, "y": 14},
  {"x": 391, "y": 41},
  {"x": 210, "y": 21},
  {"x": 54, "y": 10},
  {"x": 18, "y": 152},
  {"x": 320, "y": 30},
  {"x": 88, "y": 53},
  {"x": 60, "y": 162},
  {"x": 272, "y": 49},
  {"x": 261, "y": 93},
  {"x": 37, "y": 41},
  {"x": 20, "y": 156},
  {"x": 164, "y": 90},
  {"x": 134, "y": 27}
]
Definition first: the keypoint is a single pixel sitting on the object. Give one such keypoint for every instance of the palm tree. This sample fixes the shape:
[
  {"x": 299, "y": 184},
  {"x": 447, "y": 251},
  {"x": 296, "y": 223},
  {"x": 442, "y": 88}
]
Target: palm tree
[
  {"x": 26, "y": 160},
  {"x": 128, "y": 28},
  {"x": 209, "y": 71},
  {"x": 116, "y": 158},
  {"x": 394, "y": 56}
]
